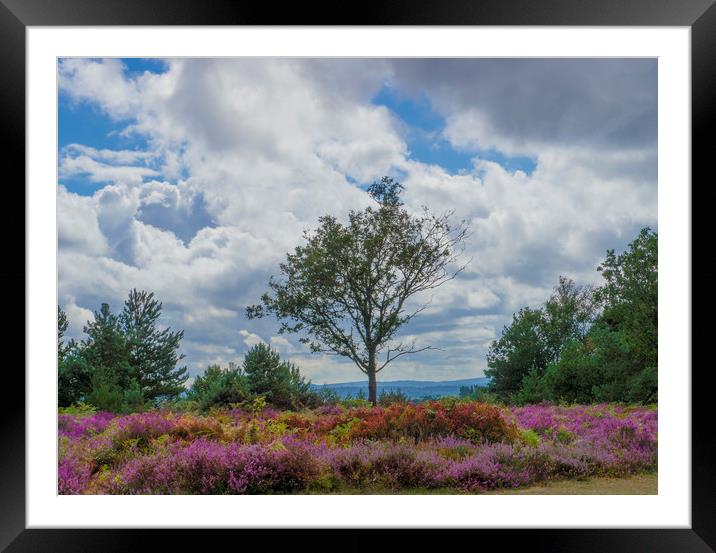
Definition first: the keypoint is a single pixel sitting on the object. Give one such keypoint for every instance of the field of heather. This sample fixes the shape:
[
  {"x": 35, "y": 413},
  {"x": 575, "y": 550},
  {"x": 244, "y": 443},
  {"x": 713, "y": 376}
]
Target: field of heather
[{"x": 466, "y": 447}]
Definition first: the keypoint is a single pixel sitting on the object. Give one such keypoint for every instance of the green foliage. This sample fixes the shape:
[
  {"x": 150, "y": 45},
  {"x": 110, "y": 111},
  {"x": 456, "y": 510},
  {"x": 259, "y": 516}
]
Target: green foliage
[
  {"x": 356, "y": 402},
  {"x": 537, "y": 337},
  {"x": 568, "y": 315},
  {"x": 78, "y": 409},
  {"x": 125, "y": 362},
  {"x": 153, "y": 353},
  {"x": 219, "y": 387},
  {"x": 390, "y": 397},
  {"x": 568, "y": 351},
  {"x": 521, "y": 348},
  {"x": 105, "y": 394},
  {"x": 106, "y": 348},
  {"x": 258, "y": 405},
  {"x": 133, "y": 400},
  {"x": 533, "y": 389},
  {"x": 346, "y": 289},
  {"x": 530, "y": 438},
  {"x": 74, "y": 379},
  {"x": 478, "y": 393},
  {"x": 591, "y": 370},
  {"x": 328, "y": 396},
  {"x": 341, "y": 433},
  {"x": 630, "y": 299},
  {"x": 180, "y": 406},
  {"x": 564, "y": 436},
  {"x": 386, "y": 191},
  {"x": 280, "y": 382}
]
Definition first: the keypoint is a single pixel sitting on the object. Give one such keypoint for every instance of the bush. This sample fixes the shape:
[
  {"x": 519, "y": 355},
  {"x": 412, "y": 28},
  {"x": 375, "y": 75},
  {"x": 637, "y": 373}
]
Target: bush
[
  {"x": 78, "y": 409},
  {"x": 387, "y": 398},
  {"x": 181, "y": 406},
  {"x": 360, "y": 403},
  {"x": 530, "y": 438},
  {"x": 328, "y": 396},
  {"x": 219, "y": 387},
  {"x": 280, "y": 382},
  {"x": 462, "y": 445},
  {"x": 477, "y": 422}
]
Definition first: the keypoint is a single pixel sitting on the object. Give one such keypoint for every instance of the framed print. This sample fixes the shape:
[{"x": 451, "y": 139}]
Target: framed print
[{"x": 395, "y": 272}]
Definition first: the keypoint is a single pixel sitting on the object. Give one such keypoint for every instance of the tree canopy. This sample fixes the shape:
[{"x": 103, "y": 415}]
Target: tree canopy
[{"x": 348, "y": 289}]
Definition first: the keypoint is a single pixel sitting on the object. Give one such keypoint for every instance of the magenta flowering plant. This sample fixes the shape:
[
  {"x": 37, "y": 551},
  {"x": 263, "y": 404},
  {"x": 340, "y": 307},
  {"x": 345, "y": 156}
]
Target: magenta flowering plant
[
  {"x": 266, "y": 451},
  {"x": 74, "y": 426}
]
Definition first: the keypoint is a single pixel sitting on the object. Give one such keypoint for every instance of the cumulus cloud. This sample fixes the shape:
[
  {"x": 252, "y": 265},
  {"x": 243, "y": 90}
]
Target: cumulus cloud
[
  {"x": 251, "y": 339},
  {"x": 518, "y": 105},
  {"x": 238, "y": 157}
]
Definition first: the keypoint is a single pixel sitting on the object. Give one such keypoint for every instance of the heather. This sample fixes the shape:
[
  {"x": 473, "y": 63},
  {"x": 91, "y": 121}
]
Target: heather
[{"x": 465, "y": 446}]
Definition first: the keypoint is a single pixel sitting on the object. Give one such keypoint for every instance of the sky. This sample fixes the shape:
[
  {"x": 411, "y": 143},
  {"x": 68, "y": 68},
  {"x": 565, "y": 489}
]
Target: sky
[{"x": 193, "y": 178}]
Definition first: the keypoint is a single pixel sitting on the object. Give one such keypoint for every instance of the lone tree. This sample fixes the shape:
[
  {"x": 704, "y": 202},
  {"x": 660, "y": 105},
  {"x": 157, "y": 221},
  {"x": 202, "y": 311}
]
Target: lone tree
[{"x": 348, "y": 288}]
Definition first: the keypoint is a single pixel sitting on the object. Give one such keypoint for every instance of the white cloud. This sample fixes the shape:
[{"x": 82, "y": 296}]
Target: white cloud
[
  {"x": 97, "y": 171},
  {"x": 243, "y": 155},
  {"x": 99, "y": 81},
  {"x": 282, "y": 345},
  {"x": 251, "y": 339}
]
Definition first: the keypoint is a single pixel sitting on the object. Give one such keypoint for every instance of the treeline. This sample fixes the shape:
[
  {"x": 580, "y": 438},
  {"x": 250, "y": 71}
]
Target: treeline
[
  {"x": 127, "y": 364},
  {"x": 585, "y": 344}
]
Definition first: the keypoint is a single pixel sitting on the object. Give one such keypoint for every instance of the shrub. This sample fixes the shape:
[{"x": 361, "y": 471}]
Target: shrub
[
  {"x": 478, "y": 422},
  {"x": 380, "y": 465},
  {"x": 280, "y": 382},
  {"x": 356, "y": 402},
  {"x": 461, "y": 445},
  {"x": 73, "y": 476},
  {"x": 328, "y": 396},
  {"x": 493, "y": 466},
  {"x": 79, "y": 408},
  {"x": 530, "y": 438},
  {"x": 386, "y": 398},
  {"x": 219, "y": 387},
  {"x": 181, "y": 406},
  {"x": 263, "y": 470}
]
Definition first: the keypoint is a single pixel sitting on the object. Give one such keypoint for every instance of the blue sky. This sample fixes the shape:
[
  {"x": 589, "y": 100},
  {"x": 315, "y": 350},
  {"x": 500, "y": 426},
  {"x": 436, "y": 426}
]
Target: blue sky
[
  {"x": 419, "y": 125},
  {"x": 193, "y": 178}
]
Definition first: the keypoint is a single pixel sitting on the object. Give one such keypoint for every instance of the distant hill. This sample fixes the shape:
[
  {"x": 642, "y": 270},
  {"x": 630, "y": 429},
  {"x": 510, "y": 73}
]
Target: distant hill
[{"x": 414, "y": 389}]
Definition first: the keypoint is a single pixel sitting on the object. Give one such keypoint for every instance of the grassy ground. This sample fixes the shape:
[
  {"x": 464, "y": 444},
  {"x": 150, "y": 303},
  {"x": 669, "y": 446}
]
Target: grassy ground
[{"x": 640, "y": 484}]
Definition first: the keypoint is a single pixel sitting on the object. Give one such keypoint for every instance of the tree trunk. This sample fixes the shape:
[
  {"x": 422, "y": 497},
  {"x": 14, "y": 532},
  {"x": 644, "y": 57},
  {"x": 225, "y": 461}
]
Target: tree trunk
[
  {"x": 372, "y": 385},
  {"x": 372, "y": 388}
]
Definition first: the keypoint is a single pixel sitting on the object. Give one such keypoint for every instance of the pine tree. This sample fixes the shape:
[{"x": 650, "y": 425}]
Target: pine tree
[
  {"x": 106, "y": 349},
  {"x": 279, "y": 381},
  {"x": 153, "y": 353}
]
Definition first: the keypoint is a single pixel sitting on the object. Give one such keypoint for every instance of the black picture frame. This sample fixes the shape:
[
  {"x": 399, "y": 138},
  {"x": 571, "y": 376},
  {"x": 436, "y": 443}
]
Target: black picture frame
[{"x": 16, "y": 15}]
